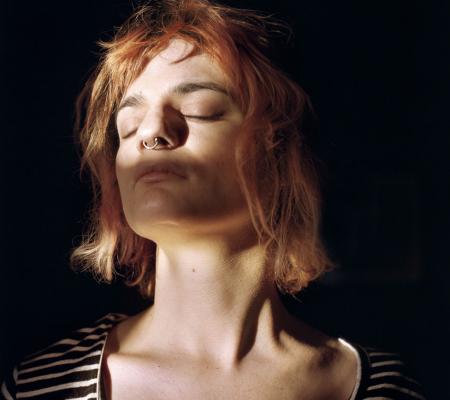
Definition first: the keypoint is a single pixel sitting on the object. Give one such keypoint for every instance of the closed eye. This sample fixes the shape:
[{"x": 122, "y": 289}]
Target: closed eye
[{"x": 214, "y": 117}]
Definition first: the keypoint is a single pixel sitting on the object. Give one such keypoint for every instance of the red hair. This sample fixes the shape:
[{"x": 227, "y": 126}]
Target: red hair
[{"x": 276, "y": 171}]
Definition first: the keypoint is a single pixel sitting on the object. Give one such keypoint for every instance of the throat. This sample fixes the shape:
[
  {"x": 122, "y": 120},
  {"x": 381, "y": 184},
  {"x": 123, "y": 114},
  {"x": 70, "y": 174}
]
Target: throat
[{"x": 204, "y": 329}]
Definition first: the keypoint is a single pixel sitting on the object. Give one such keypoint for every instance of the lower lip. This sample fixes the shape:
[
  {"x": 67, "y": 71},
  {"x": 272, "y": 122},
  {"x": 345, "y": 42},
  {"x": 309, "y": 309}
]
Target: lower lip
[{"x": 153, "y": 177}]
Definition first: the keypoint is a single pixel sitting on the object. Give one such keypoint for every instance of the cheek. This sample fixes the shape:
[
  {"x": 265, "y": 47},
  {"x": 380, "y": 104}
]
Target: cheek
[
  {"x": 219, "y": 146},
  {"x": 220, "y": 157},
  {"x": 123, "y": 167},
  {"x": 119, "y": 165},
  {"x": 224, "y": 174}
]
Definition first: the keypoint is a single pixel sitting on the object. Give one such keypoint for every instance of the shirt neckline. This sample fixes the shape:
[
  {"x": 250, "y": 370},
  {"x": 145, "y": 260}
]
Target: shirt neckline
[
  {"x": 116, "y": 318},
  {"x": 358, "y": 368}
]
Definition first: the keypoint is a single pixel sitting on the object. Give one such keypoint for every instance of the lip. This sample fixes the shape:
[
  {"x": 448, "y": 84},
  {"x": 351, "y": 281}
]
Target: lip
[
  {"x": 157, "y": 176},
  {"x": 159, "y": 171}
]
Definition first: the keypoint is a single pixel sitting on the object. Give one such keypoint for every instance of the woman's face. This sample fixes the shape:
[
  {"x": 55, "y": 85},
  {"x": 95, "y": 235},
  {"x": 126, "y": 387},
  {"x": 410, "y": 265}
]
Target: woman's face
[{"x": 185, "y": 102}]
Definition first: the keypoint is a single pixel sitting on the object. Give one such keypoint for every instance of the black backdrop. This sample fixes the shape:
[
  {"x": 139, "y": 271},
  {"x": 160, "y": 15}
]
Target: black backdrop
[{"x": 378, "y": 76}]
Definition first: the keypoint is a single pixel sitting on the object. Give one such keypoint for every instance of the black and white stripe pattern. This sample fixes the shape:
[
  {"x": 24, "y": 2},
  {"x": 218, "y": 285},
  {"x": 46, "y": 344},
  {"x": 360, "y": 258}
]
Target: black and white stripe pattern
[
  {"x": 70, "y": 369},
  {"x": 384, "y": 377},
  {"x": 67, "y": 369}
]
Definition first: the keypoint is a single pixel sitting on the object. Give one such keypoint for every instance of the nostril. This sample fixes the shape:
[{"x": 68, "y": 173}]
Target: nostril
[
  {"x": 158, "y": 143},
  {"x": 163, "y": 141}
]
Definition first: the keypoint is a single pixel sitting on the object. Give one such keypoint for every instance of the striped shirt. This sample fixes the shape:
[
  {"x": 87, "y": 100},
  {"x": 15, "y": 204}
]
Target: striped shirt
[{"x": 70, "y": 369}]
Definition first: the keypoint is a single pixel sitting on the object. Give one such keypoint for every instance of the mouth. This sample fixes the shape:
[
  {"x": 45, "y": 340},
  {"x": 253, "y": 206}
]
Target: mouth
[
  {"x": 160, "y": 172},
  {"x": 158, "y": 176}
]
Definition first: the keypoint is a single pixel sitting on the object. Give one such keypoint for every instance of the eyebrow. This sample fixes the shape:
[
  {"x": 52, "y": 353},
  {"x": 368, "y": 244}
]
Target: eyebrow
[{"x": 184, "y": 88}]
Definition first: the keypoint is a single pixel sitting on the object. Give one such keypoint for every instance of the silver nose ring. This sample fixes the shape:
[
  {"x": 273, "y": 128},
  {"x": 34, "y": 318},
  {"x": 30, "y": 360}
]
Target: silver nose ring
[{"x": 156, "y": 142}]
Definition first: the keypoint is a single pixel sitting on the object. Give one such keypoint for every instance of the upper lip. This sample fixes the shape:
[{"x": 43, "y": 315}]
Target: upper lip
[{"x": 160, "y": 166}]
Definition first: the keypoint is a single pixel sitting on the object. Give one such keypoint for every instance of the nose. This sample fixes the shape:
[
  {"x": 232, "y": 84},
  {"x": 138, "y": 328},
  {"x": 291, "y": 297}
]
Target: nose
[{"x": 161, "y": 129}]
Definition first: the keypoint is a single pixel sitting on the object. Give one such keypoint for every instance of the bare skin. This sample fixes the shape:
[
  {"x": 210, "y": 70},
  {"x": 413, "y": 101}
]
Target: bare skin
[
  {"x": 217, "y": 328},
  {"x": 304, "y": 364}
]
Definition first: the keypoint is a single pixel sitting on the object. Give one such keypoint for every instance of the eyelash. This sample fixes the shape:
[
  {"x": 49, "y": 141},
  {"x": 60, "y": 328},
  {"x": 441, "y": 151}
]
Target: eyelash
[{"x": 214, "y": 117}]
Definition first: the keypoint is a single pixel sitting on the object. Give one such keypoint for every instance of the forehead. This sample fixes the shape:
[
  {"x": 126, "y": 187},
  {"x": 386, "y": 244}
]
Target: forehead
[{"x": 173, "y": 65}]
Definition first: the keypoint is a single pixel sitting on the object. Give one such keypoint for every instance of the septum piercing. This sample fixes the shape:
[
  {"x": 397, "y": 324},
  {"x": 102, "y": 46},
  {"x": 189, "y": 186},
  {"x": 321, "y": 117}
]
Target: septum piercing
[{"x": 156, "y": 141}]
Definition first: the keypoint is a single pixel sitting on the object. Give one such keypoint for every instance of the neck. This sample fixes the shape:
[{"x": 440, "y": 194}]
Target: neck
[{"x": 215, "y": 301}]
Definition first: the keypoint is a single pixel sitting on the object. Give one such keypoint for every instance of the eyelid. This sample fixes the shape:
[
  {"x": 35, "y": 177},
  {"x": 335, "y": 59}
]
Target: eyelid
[
  {"x": 205, "y": 117},
  {"x": 213, "y": 117},
  {"x": 126, "y": 134}
]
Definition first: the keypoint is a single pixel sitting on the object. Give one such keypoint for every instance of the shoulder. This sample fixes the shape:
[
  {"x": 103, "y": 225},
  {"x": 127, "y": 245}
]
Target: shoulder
[
  {"x": 325, "y": 365},
  {"x": 66, "y": 368},
  {"x": 384, "y": 375}
]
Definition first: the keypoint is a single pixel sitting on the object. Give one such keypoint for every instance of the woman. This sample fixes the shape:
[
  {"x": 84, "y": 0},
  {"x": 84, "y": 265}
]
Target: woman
[{"x": 207, "y": 201}]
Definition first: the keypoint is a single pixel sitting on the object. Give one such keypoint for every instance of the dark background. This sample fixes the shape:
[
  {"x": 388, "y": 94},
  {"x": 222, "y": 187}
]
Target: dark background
[{"x": 378, "y": 76}]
